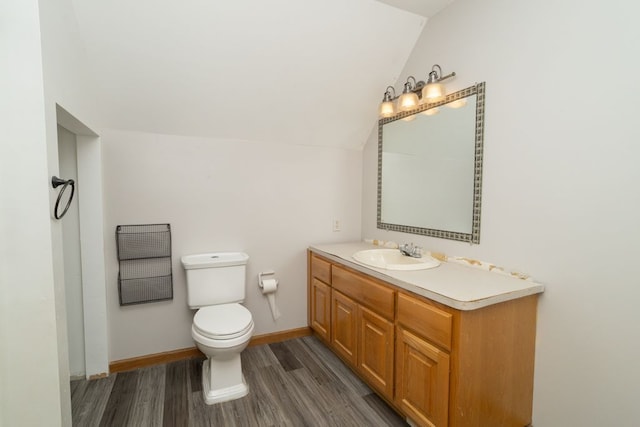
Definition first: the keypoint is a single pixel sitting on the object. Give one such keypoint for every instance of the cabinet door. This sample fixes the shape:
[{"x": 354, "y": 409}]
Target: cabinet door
[
  {"x": 320, "y": 309},
  {"x": 375, "y": 351},
  {"x": 344, "y": 326},
  {"x": 422, "y": 380}
]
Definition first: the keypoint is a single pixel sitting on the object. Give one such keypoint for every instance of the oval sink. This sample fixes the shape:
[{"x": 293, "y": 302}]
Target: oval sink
[{"x": 392, "y": 259}]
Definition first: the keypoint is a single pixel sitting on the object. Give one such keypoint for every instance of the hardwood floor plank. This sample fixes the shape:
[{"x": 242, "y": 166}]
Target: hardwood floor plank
[
  {"x": 195, "y": 374},
  {"x": 346, "y": 416},
  {"x": 273, "y": 382},
  {"x": 271, "y": 409},
  {"x": 286, "y": 358},
  {"x": 88, "y": 400},
  {"x": 73, "y": 385},
  {"x": 335, "y": 398},
  {"x": 148, "y": 406},
  {"x": 256, "y": 358},
  {"x": 316, "y": 401},
  {"x": 390, "y": 417},
  {"x": 265, "y": 411},
  {"x": 176, "y": 409},
  {"x": 123, "y": 392},
  {"x": 202, "y": 415},
  {"x": 231, "y": 415},
  {"x": 245, "y": 411},
  {"x": 333, "y": 364},
  {"x": 316, "y": 367}
]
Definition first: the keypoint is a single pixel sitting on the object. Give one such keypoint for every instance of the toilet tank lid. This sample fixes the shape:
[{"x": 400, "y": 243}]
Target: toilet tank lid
[{"x": 214, "y": 259}]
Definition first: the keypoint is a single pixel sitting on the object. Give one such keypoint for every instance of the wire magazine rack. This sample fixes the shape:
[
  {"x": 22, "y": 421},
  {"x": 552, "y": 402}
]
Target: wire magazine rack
[{"x": 144, "y": 255}]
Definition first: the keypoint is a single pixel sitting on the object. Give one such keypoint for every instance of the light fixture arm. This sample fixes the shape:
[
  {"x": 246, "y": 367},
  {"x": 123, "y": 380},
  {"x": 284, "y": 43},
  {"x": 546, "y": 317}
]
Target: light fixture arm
[
  {"x": 387, "y": 94},
  {"x": 408, "y": 87},
  {"x": 436, "y": 76}
]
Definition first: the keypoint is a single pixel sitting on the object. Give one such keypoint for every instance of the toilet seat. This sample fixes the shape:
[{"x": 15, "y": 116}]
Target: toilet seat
[{"x": 223, "y": 322}]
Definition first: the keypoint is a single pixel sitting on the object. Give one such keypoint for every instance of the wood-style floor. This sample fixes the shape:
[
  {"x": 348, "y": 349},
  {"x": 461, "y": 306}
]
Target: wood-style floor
[{"x": 293, "y": 383}]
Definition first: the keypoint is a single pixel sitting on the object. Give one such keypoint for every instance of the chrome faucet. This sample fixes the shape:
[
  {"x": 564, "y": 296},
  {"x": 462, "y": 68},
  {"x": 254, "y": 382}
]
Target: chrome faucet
[{"x": 409, "y": 249}]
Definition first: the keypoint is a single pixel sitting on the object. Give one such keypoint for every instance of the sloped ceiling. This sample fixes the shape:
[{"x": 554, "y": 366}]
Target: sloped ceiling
[{"x": 286, "y": 71}]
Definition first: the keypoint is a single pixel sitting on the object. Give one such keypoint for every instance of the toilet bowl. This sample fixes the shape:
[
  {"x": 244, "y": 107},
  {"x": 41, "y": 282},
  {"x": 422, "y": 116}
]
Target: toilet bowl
[{"x": 222, "y": 332}]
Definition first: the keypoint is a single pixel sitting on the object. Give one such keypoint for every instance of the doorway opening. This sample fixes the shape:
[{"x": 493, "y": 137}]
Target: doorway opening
[{"x": 79, "y": 156}]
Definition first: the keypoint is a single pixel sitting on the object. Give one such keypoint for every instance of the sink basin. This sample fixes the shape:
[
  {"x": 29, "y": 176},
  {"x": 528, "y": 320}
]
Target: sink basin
[{"x": 392, "y": 259}]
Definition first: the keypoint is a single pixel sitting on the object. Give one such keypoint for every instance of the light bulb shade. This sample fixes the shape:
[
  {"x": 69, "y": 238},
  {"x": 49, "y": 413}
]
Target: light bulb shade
[
  {"x": 432, "y": 92},
  {"x": 409, "y": 118},
  {"x": 386, "y": 109},
  {"x": 407, "y": 101}
]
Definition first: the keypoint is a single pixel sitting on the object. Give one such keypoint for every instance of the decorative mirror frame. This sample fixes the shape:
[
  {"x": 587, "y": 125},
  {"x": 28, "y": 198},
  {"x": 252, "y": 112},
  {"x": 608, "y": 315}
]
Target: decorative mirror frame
[{"x": 474, "y": 236}]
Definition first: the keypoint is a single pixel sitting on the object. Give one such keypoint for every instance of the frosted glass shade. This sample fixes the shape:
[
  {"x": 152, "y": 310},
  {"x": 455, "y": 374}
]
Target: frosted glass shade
[
  {"x": 386, "y": 109},
  {"x": 431, "y": 111},
  {"x": 432, "y": 92},
  {"x": 407, "y": 101}
]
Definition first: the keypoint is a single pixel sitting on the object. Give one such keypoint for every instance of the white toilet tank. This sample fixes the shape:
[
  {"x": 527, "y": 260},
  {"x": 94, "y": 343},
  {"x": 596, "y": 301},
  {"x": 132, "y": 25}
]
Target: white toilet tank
[{"x": 215, "y": 278}]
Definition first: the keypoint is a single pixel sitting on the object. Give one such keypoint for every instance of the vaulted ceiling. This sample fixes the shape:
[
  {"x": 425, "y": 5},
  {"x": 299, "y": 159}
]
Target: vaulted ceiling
[{"x": 285, "y": 71}]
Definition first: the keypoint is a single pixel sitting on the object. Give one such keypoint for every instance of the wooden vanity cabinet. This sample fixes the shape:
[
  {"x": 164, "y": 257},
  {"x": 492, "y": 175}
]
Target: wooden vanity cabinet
[
  {"x": 319, "y": 305},
  {"x": 437, "y": 365},
  {"x": 465, "y": 368}
]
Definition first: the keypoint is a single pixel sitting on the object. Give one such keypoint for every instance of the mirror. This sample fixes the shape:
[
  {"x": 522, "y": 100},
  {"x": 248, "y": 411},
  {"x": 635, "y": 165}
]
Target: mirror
[{"x": 430, "y": 168}]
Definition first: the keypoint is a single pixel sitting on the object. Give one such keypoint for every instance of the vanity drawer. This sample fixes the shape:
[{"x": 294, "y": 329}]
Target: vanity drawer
[
  {"x": 425, "y": 319},
  {"x": 365, "y": 291},
  {"x": 321, "y": 269}
]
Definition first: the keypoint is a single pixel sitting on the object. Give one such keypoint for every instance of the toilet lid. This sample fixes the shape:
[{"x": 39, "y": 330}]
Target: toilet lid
[{"x": 223, "y": 321}]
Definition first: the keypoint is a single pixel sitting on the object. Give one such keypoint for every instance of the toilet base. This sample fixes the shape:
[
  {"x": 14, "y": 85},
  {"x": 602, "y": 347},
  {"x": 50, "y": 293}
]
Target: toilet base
[{"x": 223, "y": 393}]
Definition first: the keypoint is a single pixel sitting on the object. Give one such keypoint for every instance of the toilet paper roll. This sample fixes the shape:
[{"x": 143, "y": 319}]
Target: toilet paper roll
[{"x": 269, "y": 288}]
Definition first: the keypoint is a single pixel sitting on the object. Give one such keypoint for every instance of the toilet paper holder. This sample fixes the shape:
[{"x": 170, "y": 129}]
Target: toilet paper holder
[
  {"x": 264, "y": 275},
  {"x": 269, "y": 285}
]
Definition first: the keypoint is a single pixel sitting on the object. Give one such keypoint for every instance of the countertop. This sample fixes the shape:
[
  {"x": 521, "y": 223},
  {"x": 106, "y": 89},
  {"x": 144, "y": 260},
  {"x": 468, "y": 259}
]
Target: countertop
[{"x": 456, "y": 285}]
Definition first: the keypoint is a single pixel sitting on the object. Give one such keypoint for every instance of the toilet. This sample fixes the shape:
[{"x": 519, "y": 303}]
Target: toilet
[{"x": 222, "y": 327}]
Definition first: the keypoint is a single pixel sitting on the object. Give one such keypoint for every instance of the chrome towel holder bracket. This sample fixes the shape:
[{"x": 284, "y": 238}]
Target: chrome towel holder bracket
[{"x": 55, "y": 183}]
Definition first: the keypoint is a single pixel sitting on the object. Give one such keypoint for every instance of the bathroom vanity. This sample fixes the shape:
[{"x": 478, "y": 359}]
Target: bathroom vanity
[{"x": 448, "y": 346}]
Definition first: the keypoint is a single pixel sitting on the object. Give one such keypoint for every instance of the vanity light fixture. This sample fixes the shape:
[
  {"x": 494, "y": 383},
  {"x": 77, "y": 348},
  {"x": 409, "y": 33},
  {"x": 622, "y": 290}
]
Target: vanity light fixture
[
  {"x": 433, "y": 91},
  {"x": 387, "y": 108},
  {"x": 409, "y": 98},
  {"x": 415, "y": 93}
]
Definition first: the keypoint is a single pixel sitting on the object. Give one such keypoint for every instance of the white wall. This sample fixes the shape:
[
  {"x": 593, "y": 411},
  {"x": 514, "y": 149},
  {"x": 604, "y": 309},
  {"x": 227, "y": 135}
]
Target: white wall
[
  {"x": 560, "y": 196},
  {"x": 269, "y": 200},
  {"x": 27, "y": 301}
]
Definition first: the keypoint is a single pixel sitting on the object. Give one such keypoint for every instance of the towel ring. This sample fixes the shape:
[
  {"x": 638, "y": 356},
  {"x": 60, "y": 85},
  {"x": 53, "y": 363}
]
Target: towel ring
[{"x": 55, "y": 183}]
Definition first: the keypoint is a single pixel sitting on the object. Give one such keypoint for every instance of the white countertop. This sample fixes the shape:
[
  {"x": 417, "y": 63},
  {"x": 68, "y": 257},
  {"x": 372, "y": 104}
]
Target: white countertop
[{"x": 456, "y": 285}]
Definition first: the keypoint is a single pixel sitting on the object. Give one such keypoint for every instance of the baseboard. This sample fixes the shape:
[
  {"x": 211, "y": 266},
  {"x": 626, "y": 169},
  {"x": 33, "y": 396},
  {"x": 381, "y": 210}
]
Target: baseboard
[
  {"x": 280, "y": 336},
  {"x": 188, "y": 353},
  {"x": 153, "y": 359}
]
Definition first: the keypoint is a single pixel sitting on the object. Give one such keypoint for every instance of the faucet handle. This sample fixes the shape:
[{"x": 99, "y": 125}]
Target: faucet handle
[{"x": 411, "y": 250}]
